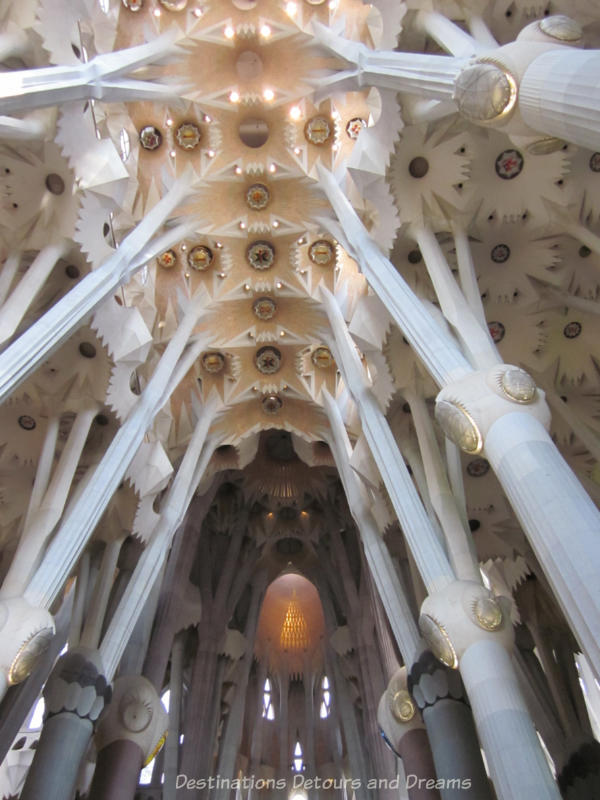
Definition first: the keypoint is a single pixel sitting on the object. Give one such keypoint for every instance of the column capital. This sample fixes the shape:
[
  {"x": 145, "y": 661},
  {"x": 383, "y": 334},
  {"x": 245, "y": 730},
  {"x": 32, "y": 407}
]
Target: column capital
[
  {"x": 466, "y": 409},
  {"x": 77, "y": 685},
  {"x": 135, "y": 714},
  {"x": 461, "y": 614}
]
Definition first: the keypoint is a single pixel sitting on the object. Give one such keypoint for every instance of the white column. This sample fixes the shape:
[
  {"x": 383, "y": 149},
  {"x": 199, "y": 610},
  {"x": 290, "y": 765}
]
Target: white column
[
  {"x": 152, "y": 560},
  {"x": 467, "y": 274},
  {"x": 439, "y": 352},
  {"x": 90, "y": 636},
  {"x": 448, "y": 34},
  {"x": 504, "y": 725},
  {"x": 82, "y": 517},
  {"x": 461, "y": 549},
  {"x": 42, "y": 521},
  {"x": 416, "y": 525},
  {"x": 428, "y": 76},
  {"x": 378, "y": 558},
  {"x": 22, "y": 296},
  {"x": 100, "y": 79},
  {"x": 8, "y": 272},
  {"x": 23, "y": 130},
  {"x": 24, "y": 355},
  {"x": 559, "y": 95},
  {"x": 472, "y": 332},
  {"x": 561, "y": 522}
]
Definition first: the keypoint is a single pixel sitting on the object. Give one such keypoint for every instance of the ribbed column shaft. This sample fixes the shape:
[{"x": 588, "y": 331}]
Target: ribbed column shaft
[
  {"x": 516, "y": 761},
  {"x": 560, "y": 520},
  {"x": 559, "y": 95}
]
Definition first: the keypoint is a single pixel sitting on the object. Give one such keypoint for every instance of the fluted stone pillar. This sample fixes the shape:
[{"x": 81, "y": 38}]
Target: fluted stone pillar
[
  {"x": 75, "y": 694},
  {"x": 129, "y": 735},
  {"x": 559, "y": 95}
]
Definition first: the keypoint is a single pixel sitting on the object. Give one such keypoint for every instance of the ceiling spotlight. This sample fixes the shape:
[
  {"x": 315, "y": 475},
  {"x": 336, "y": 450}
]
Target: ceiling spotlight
[
  {"x": 265, "y": 31},
  {"x": 211, "y": 154},
  {"x": 219, "y": 245},
  {"x": 297, "y": 151},
  {"x": 275, "y": 223},
  {"x": 157, "y": 12},
  {"x": 242, "y": 226},
  {"x": 268, "y": 95},
  {"x": 169, "y": 122},
  {"x": 295, "y": 113},
  {"x": 282, "y": 333},
  {"x": 238, "y": 170},
  {"x": 172, "y": 153},
  {"x": 279, "y": 284},
  {"x": 198, "y": 12},
  {"x": 291, "y": 9},
  {"x": 234, "y": 97},
  {"x": 272, "y": 167},
  {"x": 247, "y": 287},
  {"x": 207, "y": 118},
  {"x": 229, "y": 32}
]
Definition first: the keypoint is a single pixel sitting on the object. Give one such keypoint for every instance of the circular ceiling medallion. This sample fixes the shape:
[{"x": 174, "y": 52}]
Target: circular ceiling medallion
[
  {"x": 322, "y": 357},
  {"x": 509, "y": 164},
  {"x": 500, "y": 253},
  {"x": 260, "y": 255},
  {"x": 595, "y": 162},
  {"x": 272, "y": 404},
  {"x": 188, "y": 136},
  {"x": 200, "y": 257},
  {"x": 268, "y": 360},
  {"x": 213, "y": 362},
  {"x": 318, "y": 130},
  {"x": 258, "y": 196},
  {"x": 315, "y": 2},
  {"x": 572, "y": 330},
  {"x": 497, "y": 330},
  {"x": 174, "y": 5},
  {"x": 264, "y": 308},
  {"x": 321, "y": 252},
  {"x": 355, "y": 126},
  {"x": 26, "y": 422},
  {"x": 168, "y": 259},
  {"x": 560, "y": 27},
  {"x": 150, "y": 137},
  {"x": 133, "y": 5},
  {"x": 518, "y": 385},
  {"x": 478, "y": 467}
]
